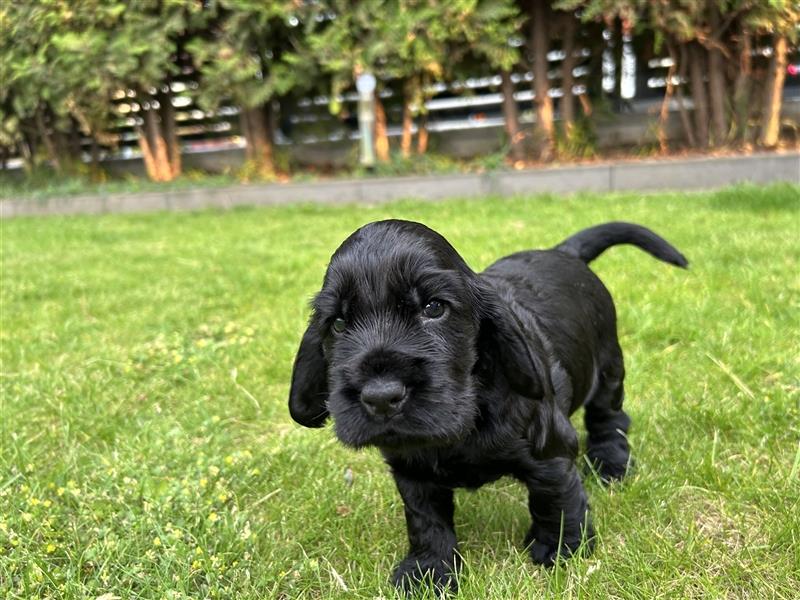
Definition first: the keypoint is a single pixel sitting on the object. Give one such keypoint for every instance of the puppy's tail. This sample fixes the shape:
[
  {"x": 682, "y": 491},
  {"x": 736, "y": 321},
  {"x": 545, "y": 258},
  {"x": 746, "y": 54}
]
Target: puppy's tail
[{"x": 590, "y": 243}]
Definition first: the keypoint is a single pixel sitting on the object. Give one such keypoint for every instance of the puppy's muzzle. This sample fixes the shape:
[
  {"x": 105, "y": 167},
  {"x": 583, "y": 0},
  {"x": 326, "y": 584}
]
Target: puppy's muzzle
[{"x": 383, "y": 397}]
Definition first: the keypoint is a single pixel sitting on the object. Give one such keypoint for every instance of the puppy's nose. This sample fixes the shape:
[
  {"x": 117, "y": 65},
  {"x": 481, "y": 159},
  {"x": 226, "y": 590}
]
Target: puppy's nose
[{"x": 383, "y": 397}]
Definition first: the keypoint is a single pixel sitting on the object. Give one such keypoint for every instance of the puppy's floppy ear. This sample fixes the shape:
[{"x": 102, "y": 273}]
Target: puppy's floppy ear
[
  {"x": 501, "y": 346},
  {"x": 309, "y": 390}
]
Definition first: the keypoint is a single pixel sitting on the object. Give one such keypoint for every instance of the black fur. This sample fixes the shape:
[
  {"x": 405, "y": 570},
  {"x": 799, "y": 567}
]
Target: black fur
[
  {"x": 482, "y": 391},
  {"x": 590, "y": 243}
]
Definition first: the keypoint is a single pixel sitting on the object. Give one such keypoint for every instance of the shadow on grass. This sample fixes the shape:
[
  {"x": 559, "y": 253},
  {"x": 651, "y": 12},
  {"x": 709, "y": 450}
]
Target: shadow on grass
[{"x": 493, "y": 516}]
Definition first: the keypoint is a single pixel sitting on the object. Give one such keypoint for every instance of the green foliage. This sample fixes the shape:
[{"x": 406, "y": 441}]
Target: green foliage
[
  {"x": 419, "y": 164},
  {"x": 415, "y": 41},
  {"x": 579, "y": 141},
  {"x": 63, "y": 62},
  {"x": 73, "y": 56},
  {"x": 250, "y": 53},
  {"x": 688, "y": 20}
]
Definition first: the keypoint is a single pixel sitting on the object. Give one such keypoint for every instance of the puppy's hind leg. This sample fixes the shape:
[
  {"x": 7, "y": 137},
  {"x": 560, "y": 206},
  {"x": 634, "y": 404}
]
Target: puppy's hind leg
[{"x": 607, "y": 424}]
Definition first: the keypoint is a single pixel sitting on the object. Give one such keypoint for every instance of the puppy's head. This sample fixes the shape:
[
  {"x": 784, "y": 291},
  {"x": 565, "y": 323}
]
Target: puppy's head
[{"x": 397, "y": 337}]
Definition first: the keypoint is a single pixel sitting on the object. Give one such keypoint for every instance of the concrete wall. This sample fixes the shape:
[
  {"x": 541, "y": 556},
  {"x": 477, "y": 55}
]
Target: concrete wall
[{"x": 700, "y": 173}]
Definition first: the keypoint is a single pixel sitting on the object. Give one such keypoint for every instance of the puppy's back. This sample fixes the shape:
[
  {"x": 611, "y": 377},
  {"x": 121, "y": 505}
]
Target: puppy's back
[{"x": 569, "y": 303}]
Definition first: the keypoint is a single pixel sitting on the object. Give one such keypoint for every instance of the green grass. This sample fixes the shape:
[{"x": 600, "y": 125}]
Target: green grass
[{"x": 147, "y": 451}]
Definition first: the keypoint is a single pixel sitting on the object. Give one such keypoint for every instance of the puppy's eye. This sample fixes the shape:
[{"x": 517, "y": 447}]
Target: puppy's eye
[
  {"x": 339, "y": 325},
  {"x": 433, "y": 309}
]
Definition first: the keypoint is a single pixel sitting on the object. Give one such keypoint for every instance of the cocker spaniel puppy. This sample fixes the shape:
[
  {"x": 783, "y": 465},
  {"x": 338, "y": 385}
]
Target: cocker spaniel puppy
[{"x": 460, "y": 378}]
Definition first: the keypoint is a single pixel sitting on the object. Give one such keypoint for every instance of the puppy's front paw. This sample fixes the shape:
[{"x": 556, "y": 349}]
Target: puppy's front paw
[
  {"x": 547, "y": 553},
  {"x": 414, "y": 572},
  {"x": 610, "y": 459}
]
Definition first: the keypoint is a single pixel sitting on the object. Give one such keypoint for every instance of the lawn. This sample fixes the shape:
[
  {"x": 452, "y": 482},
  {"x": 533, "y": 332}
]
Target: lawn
[{"x": 146, "y": 450}]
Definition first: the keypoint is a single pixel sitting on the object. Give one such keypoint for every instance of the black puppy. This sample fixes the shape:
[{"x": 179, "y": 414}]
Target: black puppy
[{"x": 460, "y": 378}]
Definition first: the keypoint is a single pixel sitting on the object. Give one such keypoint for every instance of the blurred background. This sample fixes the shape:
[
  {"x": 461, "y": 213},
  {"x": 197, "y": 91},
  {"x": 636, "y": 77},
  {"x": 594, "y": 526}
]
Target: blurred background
[{"x": 263, "y": 90}]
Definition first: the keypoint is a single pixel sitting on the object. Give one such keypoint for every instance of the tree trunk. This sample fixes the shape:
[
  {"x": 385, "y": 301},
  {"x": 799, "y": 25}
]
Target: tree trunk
[
  {"x": 94, "y": 151},
  {"x": 594, "y": 78},
  {"x": 59, "y": 140},
  {"x": 47, "y": 140},
  {"x": 76, "y": 147},
  {"x": 697, "y": 70},
  {"x": 63, "y": 148},
  {"x": 717, "y": 93},
  {"x": 773, "y": 94},
  {"x": 422, "y": 133},
  {"x": 716, "y": 82},
  {"x": 741, "y": 94},
  {"x": 155, "y": 136},
  {"x": 683, "y": 61},
  {"x": 27, "y": 145},
  {"x": 663, "y": 140},
  {"x": 153, "y": 144},
  {"x": 619, "y": 54},
  {"x": 381, "y": 136},
  {"x": 567, "y": 77},
  {"x": 170, "y": 132},
  {"x": 95, "y": 170},
  {"x": 271, "y": 116},
  {"x": 148, "y": 155},
  {"x": 511, "y": 114},
  {"x": 259, "y": 142},
  {"x": 244, "y": 128},
  {"x": 586, "y": 103},
  {"x": 544, "y": 132},
  {"x": 408, "y": 120}
]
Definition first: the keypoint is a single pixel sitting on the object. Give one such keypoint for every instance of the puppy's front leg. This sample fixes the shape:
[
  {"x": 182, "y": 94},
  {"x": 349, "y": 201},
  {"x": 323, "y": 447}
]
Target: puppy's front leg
[
  {"x": 432, "y": 541},
  {"x": 560, "y": 511}
]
